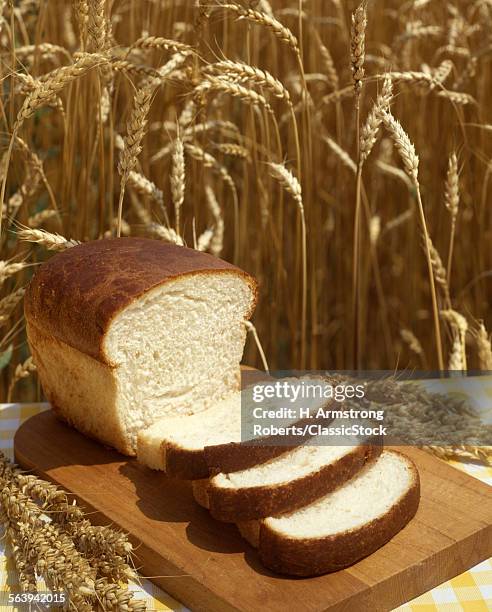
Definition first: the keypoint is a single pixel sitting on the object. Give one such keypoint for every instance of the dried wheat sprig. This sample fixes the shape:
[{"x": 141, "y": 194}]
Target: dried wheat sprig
[
  {"x": 452, "y": 201},
  {"x": 52, "y": 242},
  {"x": 217, "y": 241},
  {"x": 50, "y": 551},
  {"x": 290, "y": 183},
  {"x": 164, "y": 233},
  {"x": 101, "y": 544},
  {"x": 178, "y": 179},
  {"x": 144, "y": 186},
  {"x": 244, "y": 73},
  {"x": 253, "y": 331},
  {"x": 342, "y": 155},
  {"x": 268, "y": 21},
  {"x": 459, "y": 327},
  {"x": 23, "y": 370},
  {"x": 25, "y": 569},
  {"x": 463, "y": 452},
  {"x": 370, "y": 128},
  {"x": 114, "y": 597},
  {"x": 35, "y": 220},
  {"x": 484, "y": 347},
  {"x": 357, "y": 46}
]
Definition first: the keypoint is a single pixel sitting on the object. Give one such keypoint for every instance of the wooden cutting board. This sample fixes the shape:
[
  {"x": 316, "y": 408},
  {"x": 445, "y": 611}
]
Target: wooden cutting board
[{"x": 206, "y": 564}]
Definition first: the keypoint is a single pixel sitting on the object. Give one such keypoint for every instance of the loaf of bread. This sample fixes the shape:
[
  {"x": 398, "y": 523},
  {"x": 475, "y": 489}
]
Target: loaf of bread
[
  {"x": 125, "y": 331},
  {"x": 343, "y": 526}
]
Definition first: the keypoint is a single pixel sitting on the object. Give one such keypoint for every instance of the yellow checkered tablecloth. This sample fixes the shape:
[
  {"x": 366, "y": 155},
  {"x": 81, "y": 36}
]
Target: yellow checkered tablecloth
[{"x": 470, "y": 592}]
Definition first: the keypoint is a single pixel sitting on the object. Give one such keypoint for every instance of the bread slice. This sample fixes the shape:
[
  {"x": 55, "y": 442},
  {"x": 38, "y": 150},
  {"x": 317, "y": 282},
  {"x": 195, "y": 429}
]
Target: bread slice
[
  {"x": 290, "y": 481},
  {"x": 125, "y": 331},
  {"x": 344, "y": 526},
  {"x": 196, "y": 446}
]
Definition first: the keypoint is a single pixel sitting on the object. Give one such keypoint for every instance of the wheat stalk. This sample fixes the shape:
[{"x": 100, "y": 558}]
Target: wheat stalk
[
  {"x": 290, "y": 183},
  {"x": 132, "y": 142},
  {"x": 160, "y": 43},
  {"x": 411, "y": 164}
]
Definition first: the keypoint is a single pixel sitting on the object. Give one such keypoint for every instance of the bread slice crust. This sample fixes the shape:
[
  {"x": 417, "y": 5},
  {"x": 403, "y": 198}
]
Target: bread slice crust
[
  {"x": 315, "y": 556},
  {"x": 246, "y": 503},
  {"x": 76, "y": 294}
]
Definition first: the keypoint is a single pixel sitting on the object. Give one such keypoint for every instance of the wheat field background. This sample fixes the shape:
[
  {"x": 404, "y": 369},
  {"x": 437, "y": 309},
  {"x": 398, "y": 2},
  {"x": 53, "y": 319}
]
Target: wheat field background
[{"x": 339, "y": 152}]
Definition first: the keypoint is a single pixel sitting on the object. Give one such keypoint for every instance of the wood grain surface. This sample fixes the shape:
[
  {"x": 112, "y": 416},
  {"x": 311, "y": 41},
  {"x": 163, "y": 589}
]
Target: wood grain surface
[{"x": 206, "y": 564}]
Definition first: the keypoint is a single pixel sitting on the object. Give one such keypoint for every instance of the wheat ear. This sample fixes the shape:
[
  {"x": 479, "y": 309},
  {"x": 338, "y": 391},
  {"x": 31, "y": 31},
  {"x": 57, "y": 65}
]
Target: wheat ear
[
  {"x": 132, "y": 142},
  {"x": 52, "y": 242},
  {"x": 411, "y": 164},
  {"x": 23, "y": 370},
  {"x": 484, "y": 347},
  {"x": 178, "y": 178},
  {"x": 459, "y": 327},
  {"x": 452, "y": 201}
]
